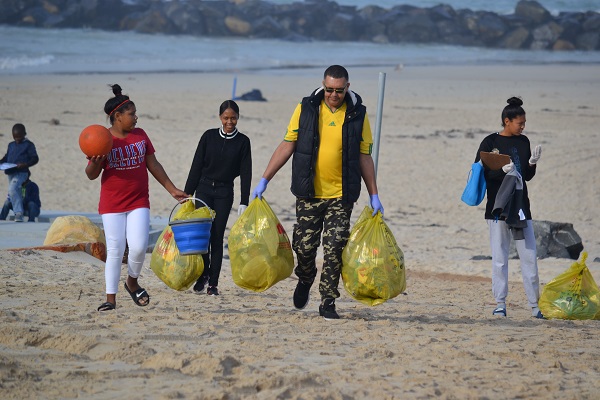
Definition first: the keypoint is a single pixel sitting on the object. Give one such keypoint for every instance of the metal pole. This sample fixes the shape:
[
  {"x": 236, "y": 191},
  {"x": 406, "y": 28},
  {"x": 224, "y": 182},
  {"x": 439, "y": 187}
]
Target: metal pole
[
  {"x": 234, "y": 85},
  {"x": 377, "y": 132}
]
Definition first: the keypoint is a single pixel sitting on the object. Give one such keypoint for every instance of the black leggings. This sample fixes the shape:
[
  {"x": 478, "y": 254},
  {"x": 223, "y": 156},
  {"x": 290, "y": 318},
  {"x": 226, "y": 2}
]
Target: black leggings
[{"x": 220, "y": 199}]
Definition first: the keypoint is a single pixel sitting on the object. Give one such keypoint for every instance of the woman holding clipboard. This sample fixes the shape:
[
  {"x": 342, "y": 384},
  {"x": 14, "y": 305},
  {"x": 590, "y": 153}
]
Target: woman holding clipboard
[{"x": 507, "y": 154}]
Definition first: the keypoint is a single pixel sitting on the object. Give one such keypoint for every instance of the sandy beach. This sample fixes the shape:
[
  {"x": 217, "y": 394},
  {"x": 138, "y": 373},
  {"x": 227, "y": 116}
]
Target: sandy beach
[{"x": 438, "y": 340}]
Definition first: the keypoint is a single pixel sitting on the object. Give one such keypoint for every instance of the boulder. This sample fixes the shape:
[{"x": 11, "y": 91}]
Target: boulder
[
  {"x": 516, "y": 39},
  {"x": 442, "y": 12},
  {"x": 489, "y": 27},
  {"x": 374, "y": 29},
  {"x": 571, "y": 26},
  {"x": 107, "y": 14},
  {"x": 346, "y": 27},
  {"x": 214, "y": 13},
  {"x": 592, "y": 22},
  {"x": 545, "y": 36},
  {"x": 316, "y": 20},
  {"x": 381, "y": 39},
  {"x": 415, "y": 27},
  {"x": 238, "y": 26},
  {"x": 35, "y": 16},
  {"x": 451, "y": 30},
  {"x": 150, "y": 21},
  {"x": 554, "y": 239},
  {"x": 10, "y": 10},
  {"x": 532, "y": 12},
  {"x": 372, "y": 12},
  {"x": 563, "y": 45},
  {"x": 268, "y": 27},
  {"x": 187, "y": 19},
  {"x": 588, "y": 41}
]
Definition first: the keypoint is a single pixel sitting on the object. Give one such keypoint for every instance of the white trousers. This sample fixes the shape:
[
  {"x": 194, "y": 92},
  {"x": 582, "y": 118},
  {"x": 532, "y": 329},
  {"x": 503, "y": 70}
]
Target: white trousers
[
  {"x": 500, "y": 237},
  {"x": 133, "y": 228}
]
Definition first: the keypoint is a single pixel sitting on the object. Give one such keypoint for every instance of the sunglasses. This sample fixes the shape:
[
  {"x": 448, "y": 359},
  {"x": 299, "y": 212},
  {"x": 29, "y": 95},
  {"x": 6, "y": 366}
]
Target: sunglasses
[{"x": 337, "y": 90}]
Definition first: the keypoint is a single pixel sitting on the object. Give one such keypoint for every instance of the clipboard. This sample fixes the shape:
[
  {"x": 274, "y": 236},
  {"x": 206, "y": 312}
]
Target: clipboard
[{"x": 494, "y": 161}]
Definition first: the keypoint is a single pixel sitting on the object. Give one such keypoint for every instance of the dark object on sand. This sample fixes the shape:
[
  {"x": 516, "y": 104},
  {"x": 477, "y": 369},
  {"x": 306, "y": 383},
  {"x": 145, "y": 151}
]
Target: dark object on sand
[
  {"x": 253, "y": 95},
  {"x": 554, "y": 239}
]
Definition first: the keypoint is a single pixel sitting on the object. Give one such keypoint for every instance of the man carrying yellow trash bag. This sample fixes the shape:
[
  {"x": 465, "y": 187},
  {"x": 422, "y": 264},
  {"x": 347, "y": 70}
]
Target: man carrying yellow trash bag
[{"x": 329, "y": 137}]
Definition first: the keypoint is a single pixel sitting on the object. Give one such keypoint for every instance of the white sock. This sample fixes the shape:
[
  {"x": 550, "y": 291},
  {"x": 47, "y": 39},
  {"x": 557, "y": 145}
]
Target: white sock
[
  {"x": 501, "y": 305},
  {"x": 535, "y": 311}
]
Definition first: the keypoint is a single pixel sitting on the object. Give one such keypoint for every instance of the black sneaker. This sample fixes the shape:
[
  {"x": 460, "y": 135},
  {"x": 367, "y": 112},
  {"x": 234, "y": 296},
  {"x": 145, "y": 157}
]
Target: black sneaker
[
  {"x": 301, "y": 294},
  {"x": 200, "y": 284},
  {"x": 212, "y": 291},
  {"x": 327, "y": 309}
]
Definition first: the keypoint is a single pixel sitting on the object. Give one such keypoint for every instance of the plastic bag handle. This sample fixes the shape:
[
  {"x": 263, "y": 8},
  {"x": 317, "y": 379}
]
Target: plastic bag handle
[
  {"x": 469, "y": 175},
  {"x": 471, "y": 170},
  {"x": 210, "y": 210}
]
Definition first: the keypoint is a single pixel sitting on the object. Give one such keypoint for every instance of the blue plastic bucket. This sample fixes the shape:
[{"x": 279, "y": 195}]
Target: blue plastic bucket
[{"x": 192, "y": 236}]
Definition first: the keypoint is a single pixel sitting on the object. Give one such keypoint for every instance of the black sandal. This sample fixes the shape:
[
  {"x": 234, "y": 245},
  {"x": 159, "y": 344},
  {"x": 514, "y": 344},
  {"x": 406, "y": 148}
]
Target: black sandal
[
  {"x": 138, "y": 295},
  {"x": 108, "y": 306}
]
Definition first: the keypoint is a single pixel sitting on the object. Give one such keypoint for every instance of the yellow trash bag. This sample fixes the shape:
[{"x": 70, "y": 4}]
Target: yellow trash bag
[
  {"x": 372, "y": 263},
  {"x": 75, "y": 233},
  {"x": 259, "y": 248},
  {"x": 71, "y": 229},
  {"x": 572, "y": 294},
  {"x": 175, "y": 270}
]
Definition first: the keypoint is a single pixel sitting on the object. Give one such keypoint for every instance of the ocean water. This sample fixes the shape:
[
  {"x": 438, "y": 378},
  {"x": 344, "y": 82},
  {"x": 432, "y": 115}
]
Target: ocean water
[{"x": 77, "y": 51}]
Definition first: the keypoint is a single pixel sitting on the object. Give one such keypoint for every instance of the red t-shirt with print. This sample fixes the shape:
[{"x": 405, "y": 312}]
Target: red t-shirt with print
[{"x": 125, "y": 177}]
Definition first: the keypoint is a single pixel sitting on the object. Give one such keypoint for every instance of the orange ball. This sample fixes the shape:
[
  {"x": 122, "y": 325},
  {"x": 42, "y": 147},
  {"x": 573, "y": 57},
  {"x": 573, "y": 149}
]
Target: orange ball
[{"x": 95, "y": 140}]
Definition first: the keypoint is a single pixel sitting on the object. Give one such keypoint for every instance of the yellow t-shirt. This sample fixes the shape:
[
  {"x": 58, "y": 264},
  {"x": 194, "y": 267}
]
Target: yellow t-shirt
[{"x": 328, "y": 169}]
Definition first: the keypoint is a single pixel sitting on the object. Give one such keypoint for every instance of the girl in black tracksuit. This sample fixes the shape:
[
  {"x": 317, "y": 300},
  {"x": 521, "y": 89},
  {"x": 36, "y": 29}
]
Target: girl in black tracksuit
[{"x": 222, "y": 155}]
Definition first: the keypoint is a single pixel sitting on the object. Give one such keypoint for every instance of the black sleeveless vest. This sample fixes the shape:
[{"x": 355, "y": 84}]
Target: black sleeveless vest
[{"x": 307, "y": 147}]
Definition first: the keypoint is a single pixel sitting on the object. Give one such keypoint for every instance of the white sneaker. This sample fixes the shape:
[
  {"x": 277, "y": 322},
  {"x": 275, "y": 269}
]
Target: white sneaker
[
  {"x": 499, "y": 312},
  {"x": 19, "y": 217}
]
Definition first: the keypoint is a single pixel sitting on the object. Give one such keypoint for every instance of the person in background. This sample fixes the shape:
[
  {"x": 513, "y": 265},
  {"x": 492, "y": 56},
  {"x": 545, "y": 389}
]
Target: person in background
[
  {"x": 30, "y": 194},
  {"x": 329, "y": 137},
  {"x": 222, "y": 155},
  {"x": 23, "y": 154},
  {"x": 523, "y": 164},
  {"x": 125, "y": 198}
]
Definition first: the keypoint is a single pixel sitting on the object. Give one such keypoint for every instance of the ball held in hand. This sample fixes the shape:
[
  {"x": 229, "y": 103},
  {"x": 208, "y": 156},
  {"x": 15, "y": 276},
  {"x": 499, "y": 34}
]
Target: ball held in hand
[{"x": 95, "y": 140}]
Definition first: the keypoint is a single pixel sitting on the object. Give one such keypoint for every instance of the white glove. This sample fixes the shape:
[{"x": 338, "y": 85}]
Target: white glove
[
  {"x": 536, "y": 154},
  {"x": 241, "y": 209},
  {"x": 508, "y": 167}
]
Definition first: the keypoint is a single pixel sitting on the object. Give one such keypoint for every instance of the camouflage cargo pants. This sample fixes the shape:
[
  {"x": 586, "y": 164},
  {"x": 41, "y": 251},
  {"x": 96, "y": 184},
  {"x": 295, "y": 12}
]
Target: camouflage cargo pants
[{"x": 332, "y": 218}]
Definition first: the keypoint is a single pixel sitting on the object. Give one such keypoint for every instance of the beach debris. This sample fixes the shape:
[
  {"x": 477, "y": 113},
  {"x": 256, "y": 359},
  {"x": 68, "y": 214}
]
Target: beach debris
[
  {"x": 554, "y": 239},
  {"x": 253, "y": 95},
  {"x": 75, "y": 233}
]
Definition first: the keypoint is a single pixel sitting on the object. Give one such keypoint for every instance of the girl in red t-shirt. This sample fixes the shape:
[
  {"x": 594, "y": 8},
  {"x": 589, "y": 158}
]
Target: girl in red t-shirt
[{"x": 124, "y": 197}]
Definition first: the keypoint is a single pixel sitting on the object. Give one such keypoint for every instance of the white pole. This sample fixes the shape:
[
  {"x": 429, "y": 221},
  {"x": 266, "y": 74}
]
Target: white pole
[{"x": 377, "y": 132}]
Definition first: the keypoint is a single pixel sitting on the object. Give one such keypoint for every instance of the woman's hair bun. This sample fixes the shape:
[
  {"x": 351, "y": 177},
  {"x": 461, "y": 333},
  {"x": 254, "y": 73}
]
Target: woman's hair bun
[
  {"x": 515, "y": 101},
  {"x": 116, "y": 89}
]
